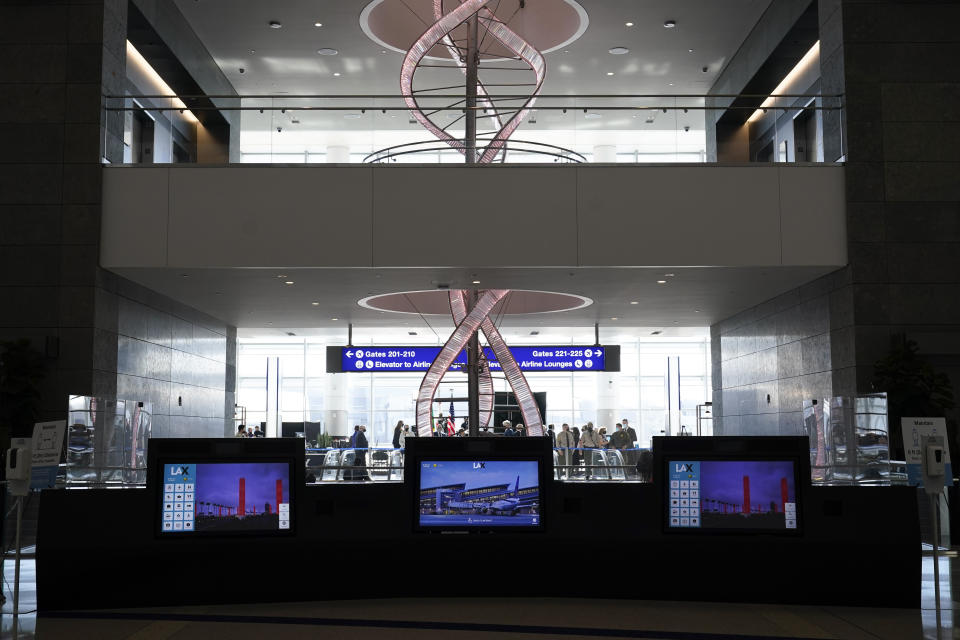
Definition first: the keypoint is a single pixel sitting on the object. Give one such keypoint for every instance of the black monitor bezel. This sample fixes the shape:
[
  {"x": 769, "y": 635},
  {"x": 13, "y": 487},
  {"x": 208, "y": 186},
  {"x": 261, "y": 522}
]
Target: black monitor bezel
[
  {"x": 543, "y": 476},
  {"x": 732, "y": 448},
  {"x": 195, "y": 459}
]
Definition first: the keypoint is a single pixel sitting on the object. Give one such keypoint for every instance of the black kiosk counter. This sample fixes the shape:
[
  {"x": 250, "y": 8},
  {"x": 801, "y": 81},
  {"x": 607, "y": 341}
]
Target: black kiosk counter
[{"x": 478, "y": 517}]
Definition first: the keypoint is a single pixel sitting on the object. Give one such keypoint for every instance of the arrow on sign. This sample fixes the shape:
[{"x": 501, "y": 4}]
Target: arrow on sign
[{"x": 349, "y": 354}]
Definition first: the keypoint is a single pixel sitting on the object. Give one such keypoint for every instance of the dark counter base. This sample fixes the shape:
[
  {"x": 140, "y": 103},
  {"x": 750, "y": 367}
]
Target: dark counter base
[{"x": 97, "y": 549}]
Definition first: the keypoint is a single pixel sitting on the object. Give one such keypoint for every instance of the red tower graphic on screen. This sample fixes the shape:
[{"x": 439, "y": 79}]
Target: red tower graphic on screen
[
  {"x": 279, "y": 494},
  {"x": 746, "y": 494},
  {"x": 784, "y": 494},
  {"x": 241, "y": 503}
]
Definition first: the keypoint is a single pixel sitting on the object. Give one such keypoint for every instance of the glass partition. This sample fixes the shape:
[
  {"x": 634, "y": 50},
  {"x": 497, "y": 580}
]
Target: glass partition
[{"x": 559, "y": 129}]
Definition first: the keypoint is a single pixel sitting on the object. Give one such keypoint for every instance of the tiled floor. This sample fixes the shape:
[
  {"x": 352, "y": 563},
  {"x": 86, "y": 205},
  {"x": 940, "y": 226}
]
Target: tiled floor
[{"x": 495, "y": 617}]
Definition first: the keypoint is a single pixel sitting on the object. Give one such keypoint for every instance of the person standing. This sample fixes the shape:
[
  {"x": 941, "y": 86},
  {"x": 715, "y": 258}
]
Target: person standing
[
  {"x": 361, "y": 452},
  {"x": 553, "y": 436},
  {"x": 508, "y": 428},
  {"x": 631, "y": 456},
  {"x": 241, "y": 432},
  {"x": 631, "y": 434},
  {"x": 589, "y": 442},
  {"x": 397, "y": 432},
  {"x": 566, "y": 442},
  {"x": 521, "y": 430},
  {"x": 404, "y": 434}
]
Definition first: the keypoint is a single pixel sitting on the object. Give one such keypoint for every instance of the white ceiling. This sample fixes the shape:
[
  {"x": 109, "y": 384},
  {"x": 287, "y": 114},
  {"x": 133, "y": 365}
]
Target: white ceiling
[
  {"x": 284, "y": 61},
  {"x": 286, "y": 58},
  {"x": 692, "y": 297}
]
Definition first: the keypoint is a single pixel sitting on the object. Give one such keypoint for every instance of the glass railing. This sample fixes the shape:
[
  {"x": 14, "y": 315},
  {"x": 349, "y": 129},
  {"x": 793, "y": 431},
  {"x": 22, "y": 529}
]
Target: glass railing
[
  {"x": 382, "y": 464},
  {"x": 357, "y": 129}
]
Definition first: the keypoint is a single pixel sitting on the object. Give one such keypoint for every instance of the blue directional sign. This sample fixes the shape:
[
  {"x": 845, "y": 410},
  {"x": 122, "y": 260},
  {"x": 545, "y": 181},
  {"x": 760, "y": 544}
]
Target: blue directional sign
[{"x": 419, "y": 358}]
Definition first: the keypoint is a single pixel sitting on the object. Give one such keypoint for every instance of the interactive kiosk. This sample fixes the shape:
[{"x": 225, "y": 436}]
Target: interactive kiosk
[{"x": 724, "y": 519}]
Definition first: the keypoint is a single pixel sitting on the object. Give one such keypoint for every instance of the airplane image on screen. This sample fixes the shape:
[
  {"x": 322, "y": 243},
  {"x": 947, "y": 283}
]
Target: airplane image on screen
[{"x": 504, "y": 506}]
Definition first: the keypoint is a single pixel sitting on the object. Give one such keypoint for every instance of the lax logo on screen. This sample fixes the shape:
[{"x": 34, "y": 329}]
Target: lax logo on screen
[
  {"x": 683, "y": 468},
  {"x": 479, "y": 465}
]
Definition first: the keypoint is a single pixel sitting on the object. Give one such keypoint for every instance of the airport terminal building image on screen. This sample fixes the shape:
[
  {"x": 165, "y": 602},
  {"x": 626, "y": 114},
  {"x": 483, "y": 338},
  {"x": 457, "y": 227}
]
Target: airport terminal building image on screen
[{"x": 516, "y": 317}]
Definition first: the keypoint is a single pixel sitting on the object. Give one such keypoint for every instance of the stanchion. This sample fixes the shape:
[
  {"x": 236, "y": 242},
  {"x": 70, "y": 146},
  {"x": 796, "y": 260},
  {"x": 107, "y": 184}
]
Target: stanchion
[
  {"x": 16, "y": 569},
  {"x": 935, "y": 514}
]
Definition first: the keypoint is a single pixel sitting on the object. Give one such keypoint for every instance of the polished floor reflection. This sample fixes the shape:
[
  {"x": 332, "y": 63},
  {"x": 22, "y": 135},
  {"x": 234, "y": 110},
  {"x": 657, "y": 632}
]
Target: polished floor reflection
[{"x": 493, "y": 617}]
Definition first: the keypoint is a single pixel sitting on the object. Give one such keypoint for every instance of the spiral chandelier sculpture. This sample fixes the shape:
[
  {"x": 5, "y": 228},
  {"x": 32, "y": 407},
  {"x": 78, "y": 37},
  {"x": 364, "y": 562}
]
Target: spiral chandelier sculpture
[
  {"x": 471, "y": 50},
  {"x": 468, "y": 323}
]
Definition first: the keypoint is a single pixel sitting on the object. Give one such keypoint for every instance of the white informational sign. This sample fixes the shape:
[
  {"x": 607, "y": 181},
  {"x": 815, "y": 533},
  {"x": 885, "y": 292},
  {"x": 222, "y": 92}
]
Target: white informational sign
[
  {"x": 916, "y": 431},
  {"x": 47, "y": 449}
]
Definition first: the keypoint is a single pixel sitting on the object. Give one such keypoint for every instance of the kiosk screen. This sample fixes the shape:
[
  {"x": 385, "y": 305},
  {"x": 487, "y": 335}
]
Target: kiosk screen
[
  {"x": 468, "y": 494},
  {"x": 225, "y": 497},
  {"x": 732, "y": 494}
]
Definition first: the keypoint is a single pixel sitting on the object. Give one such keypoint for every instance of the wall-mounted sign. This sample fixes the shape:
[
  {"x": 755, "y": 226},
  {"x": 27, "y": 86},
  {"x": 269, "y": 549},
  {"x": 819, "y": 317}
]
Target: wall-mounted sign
[
  {"x": 916, "y": 432},
  {"x": 564, "y": 358}
]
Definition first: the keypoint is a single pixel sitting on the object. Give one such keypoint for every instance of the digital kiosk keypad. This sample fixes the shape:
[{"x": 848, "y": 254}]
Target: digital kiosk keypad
[
  {"x": 684, "y": 494},
  {"x": 178, "y": 497}
]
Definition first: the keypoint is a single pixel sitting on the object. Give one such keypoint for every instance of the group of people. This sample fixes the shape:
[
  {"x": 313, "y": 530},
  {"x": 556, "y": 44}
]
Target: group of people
[{"x": 244, "y": 431}]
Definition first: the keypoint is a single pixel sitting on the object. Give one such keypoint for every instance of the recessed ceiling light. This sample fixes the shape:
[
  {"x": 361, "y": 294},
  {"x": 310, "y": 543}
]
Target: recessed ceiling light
[
  {"x": 618, "y": 51},
  {"x": 253, "y": 50},
  {"x": 669, "y": 275},
  {"x": 184, "y": 275},
  {"x": 281, "y": 276},
  {"x": 383, "y": 50},
  {"x": 671, "y": 84},
  {"x": 274, "y": 24},
  {"x": 327, "y": 51},
  {"x": 288, "y": 282},
  {"x": 609, "y": 73},
  {"x": 316, "y": 304},
  {"x": 476, "y": 282},
  {"x": 661, "y": 282},
  {"x": 696, "y": 310},
  {"x": 318, "y": 24},
  {"x": 614, "y": 318},
  {"x": 336, "y": 74},
  {"x": 669, "y": 24},
  {"x": 334, "y": 319},
  {"x": 690, "y": 50},
  {"x": 628, "y": 24},
  {"x": 634, "y": 302}
]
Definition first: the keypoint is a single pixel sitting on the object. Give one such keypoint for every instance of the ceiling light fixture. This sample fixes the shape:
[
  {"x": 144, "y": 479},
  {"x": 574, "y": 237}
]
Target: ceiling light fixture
[
  {"x": 334, "y": 319},
  {"x": 669, "y": 24},
  {"x": 336, "y": 74},
  {"x": 614, "y": 318},
  {"x": 476, "y": 282},
  {"x": 628, "y": 24},
  {"x": 274, "y": 24},
  {"x": 316, "y": 304},
  {"x": 327, "y": 51},
  {"x": 618, "y": 51},
  {"x": 609, "y": 73},
  {"x": 634, "y": 302},
  {"x": 318, "y": 24},
  {"x": 661, "y": 282},
  {"x": 669, "y": 275},
  {"x": 805, "y": 62}
]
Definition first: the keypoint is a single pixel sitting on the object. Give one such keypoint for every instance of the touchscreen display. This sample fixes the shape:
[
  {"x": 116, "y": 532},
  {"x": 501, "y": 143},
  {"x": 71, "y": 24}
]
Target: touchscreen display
[
  {"x": 225, "y": 497},
  {"x": 479, "y": 493},
  {"x": 732, "y": 494}
]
